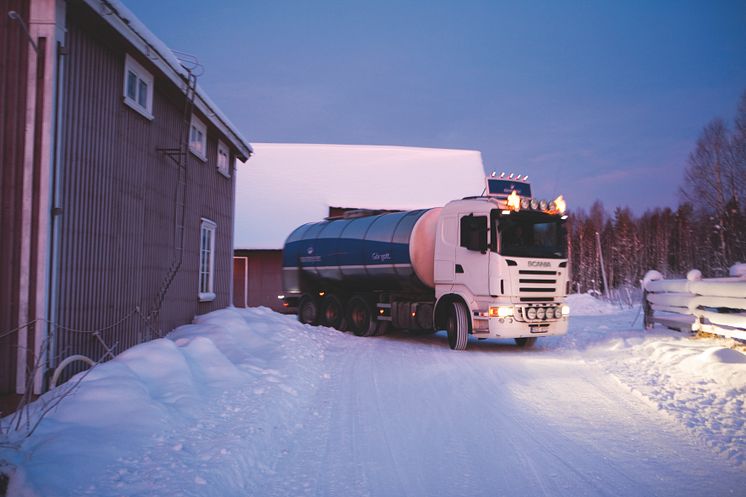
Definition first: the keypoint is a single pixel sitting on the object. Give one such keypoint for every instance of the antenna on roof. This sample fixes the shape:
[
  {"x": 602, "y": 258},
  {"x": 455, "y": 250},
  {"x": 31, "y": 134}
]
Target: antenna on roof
[{"x": 189, "y": 62}]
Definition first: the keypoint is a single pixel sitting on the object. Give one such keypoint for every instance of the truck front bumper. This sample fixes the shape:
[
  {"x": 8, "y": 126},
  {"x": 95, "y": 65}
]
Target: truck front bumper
[{"x": 510, "y": 327}]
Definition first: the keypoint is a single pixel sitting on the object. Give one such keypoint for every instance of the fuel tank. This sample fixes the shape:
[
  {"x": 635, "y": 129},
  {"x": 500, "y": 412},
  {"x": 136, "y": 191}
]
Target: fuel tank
[{"x": 385, "y": 252}]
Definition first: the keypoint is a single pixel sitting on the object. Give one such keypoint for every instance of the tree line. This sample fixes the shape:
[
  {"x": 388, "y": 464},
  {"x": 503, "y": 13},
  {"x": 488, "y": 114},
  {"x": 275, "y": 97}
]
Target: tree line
[{"x": 707, "y": 231}]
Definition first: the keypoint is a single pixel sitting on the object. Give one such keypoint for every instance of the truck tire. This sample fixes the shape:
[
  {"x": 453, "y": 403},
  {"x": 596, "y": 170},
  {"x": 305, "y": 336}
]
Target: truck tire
[
  {"x": 361, "y": 317},
  {"x": 308, "y": 310},
  {"x": 333, "y": 312},
  {"x": 525, "y": 342},
  {"x": 457, "y": 326}
]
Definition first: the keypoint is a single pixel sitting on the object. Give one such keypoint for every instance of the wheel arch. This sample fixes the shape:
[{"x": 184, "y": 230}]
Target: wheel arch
[{"x": 442, "y": 306}]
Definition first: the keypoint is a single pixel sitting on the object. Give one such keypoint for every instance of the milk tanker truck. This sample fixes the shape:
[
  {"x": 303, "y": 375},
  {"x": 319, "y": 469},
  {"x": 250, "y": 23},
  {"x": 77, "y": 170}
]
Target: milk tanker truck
[{"x": 490, "y": 266}]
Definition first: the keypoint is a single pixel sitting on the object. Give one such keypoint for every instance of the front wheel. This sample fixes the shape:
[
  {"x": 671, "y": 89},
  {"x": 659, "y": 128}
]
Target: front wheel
[{"x": 457, "y": 326}]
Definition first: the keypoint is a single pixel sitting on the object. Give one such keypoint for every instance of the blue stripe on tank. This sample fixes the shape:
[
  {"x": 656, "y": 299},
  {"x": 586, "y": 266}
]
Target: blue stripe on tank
[{"x": 344, "y": 252}]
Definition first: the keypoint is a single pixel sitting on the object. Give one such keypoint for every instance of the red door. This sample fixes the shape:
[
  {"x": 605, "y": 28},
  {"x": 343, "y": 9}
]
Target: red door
[{"x": 240, "y": 281}]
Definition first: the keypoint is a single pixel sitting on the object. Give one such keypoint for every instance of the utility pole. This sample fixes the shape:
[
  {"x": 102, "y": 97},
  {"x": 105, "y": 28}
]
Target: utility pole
[{"x": 603, "y": 270}]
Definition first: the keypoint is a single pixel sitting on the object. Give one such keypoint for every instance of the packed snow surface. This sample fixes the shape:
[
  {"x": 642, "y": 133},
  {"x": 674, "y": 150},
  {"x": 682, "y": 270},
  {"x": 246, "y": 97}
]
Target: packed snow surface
[{"x": 250, "y": 402}]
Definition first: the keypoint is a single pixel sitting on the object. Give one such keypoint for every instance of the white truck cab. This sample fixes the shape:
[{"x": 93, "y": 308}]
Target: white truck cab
[{"x": 501, "y": 266}]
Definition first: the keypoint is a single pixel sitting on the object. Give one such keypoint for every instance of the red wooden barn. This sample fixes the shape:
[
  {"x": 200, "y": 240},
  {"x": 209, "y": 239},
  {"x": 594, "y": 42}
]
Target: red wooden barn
[{"x": 117, "y": 186}]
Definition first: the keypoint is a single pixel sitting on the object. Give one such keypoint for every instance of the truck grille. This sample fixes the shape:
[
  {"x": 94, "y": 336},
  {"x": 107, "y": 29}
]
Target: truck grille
[{"x": 534, "y": 284}]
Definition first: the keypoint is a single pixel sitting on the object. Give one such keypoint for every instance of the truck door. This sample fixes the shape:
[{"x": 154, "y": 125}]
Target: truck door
[{"x": 471, "y": 265}]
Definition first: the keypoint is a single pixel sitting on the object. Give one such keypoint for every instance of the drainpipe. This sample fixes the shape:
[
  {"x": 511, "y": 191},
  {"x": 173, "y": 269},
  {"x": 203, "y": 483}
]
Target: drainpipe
[{"x": 56, "y": 200}]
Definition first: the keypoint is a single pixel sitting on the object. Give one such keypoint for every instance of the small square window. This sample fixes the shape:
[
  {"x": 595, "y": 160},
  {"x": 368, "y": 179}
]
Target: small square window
[
  {"x": 198, "y": 139},
  {"x": 224, "y": 160},
  {"x": 138, "y": 87}
]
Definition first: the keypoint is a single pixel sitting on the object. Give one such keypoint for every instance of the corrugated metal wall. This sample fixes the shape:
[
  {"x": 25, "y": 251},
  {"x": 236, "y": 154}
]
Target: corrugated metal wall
[
  {"x": 117, "y": 199},
  {"x": 14, "y": 48}
]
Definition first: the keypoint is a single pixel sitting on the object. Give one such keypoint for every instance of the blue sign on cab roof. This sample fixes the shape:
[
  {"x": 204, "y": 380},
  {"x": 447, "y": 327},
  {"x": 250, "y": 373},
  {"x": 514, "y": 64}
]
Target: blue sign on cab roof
[{"x": 496, "y": 186}]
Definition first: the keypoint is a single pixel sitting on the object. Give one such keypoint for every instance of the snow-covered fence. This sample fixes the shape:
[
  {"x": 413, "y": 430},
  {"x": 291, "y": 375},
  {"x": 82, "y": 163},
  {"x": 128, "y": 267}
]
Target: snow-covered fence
[{"x": 716, "y": 305}]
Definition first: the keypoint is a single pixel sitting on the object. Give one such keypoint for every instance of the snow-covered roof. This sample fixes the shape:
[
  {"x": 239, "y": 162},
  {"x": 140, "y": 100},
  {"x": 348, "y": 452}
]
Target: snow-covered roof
[
  {"x": 288, "y": 185},
  {"x": 128, "y": 25}
]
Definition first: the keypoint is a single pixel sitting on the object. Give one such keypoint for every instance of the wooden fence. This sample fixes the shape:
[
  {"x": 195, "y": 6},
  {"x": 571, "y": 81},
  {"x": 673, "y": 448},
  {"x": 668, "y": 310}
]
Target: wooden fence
[{"x": 715, "y": 305}]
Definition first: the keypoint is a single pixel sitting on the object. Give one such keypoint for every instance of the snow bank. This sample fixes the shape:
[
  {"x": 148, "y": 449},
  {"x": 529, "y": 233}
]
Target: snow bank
[
  {"x": 583, "y": 304},
  {"x": 738, "y": 270},
  {"x": 699, "y": 383},
  {"x": 149, "y": 420}
]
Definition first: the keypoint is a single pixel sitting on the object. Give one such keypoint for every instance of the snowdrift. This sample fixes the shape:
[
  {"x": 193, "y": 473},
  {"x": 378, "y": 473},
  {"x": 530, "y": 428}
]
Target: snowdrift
[{"x": 583, "y": 304}]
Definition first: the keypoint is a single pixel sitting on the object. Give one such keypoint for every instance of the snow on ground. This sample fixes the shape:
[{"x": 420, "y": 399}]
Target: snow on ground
[
  {"x": 250, "y": 402},
  {"x": 586, "y": 305},
  {"x": 699, "y": 382}
]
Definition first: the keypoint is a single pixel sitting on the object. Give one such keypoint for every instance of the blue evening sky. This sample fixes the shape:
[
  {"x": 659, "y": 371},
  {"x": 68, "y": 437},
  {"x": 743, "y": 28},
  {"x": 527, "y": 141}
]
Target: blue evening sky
[{"x": 591, "y": 99}]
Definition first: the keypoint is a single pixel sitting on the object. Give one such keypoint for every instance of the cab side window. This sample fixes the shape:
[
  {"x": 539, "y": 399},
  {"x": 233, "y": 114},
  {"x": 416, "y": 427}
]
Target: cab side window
[{"x": 474, "y": 233}]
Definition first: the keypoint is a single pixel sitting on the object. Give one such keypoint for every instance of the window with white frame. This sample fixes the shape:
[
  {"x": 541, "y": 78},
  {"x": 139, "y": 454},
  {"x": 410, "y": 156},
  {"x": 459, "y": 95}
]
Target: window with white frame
[
  {"x": 207, "y": 260},
  {"x": 224, "y": 159},
  {"x": 198, "y": 138},
  {"x": 138, "y": 87}
]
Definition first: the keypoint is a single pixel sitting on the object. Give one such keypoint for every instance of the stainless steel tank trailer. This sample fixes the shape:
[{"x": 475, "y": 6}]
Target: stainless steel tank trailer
[{"x": 491, "y": 266}]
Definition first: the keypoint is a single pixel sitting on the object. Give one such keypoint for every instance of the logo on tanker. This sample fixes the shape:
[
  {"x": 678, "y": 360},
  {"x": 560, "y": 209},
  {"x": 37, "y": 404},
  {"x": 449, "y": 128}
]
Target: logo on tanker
[
  {"x": 311, "y": 258},
  {"x": 381, "y": 257},
  {"x": 539, "y": 264}
]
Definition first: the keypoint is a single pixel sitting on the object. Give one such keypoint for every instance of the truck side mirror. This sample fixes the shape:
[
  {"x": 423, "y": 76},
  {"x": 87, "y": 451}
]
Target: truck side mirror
[{"x": 474, "y": 233}]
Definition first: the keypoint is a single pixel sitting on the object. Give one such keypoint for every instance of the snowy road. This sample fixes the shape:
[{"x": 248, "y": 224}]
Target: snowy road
[
  {"x": 404, "y": 417},
  {"x": 253, "y": 403}
]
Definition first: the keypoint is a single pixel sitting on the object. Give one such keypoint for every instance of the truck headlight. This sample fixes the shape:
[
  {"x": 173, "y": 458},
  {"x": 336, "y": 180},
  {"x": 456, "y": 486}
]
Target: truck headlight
[
  {"x": 565, "y": 310},
  {"x": 501, "y": 312},
  {"x": 531, "y": 313},
  {"x": 540, "y": 313},
  {"x": 558, "y": 312}
]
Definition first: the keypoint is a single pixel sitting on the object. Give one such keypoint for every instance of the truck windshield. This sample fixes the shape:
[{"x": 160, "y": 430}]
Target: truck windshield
[{"x": 529, "y": 234}]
